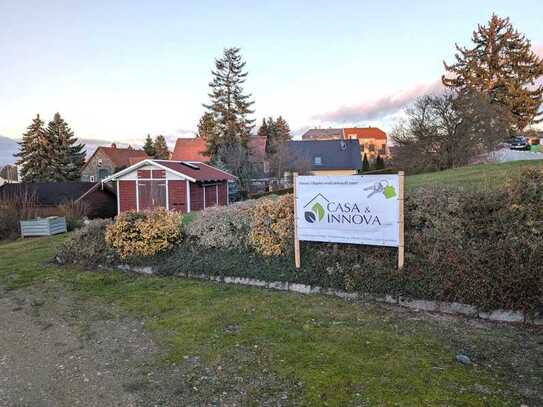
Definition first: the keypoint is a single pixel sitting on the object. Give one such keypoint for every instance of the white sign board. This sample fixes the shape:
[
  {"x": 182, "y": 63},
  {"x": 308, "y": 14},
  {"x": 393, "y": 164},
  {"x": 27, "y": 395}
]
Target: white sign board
[{"x": 362, "y": 209}]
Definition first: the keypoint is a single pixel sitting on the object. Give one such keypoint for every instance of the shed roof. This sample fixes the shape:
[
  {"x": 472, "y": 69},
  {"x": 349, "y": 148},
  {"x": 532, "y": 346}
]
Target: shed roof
[
  {"x": 194, "y": 171},
  {"x": 334, "y": 154}
]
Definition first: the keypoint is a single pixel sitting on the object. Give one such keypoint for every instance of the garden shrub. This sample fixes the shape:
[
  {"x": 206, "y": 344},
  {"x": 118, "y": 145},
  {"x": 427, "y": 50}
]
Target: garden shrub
[
  {"x": 144, "y": 233},
  {"x": 87, "y": 246},
  {"x": 272, "y": 226},
  {"x": 17, "y": 206},
  {"x": 74, "y": 212},
  {"x": 222, "y": 227}
]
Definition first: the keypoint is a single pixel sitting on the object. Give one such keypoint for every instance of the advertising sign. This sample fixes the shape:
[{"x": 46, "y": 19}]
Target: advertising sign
[{"x": 362, "y": 209}]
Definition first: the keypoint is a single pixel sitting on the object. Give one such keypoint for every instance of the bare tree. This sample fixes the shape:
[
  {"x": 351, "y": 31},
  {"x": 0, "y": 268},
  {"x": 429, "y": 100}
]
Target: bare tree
[{"x": 448, "y": 131}]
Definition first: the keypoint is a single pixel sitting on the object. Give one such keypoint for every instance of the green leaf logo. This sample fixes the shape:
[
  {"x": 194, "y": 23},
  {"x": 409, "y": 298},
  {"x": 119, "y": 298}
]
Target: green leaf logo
[{"x": 318, "y": 209}]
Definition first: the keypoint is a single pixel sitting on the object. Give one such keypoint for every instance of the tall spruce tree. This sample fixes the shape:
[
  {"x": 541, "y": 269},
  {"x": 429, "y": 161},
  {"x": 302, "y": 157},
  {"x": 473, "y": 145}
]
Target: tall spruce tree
[
  {"x": 230, "y": 107},
  {"x": 35, "y": 153},
  {"x": 502, "y": 66},
  {"x": 161, "y": 148},
  {"x": 149, "y": 146},
  {"x": 276, "y": 132},
  {"x": 69, "y": 157}
]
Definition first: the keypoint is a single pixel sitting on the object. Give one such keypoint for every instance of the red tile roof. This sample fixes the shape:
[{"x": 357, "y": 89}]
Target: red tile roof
[
  {"x": 365, "y": 132},
  {"x": 203, "y": 172},
  {"x": 190, "y": 149},
  {"x": 122, "y": 157},
  {"x": 257, "y": 148}
]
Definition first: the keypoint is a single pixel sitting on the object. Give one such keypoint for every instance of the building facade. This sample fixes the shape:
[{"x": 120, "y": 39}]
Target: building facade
[{"x": 108, "y": 160}]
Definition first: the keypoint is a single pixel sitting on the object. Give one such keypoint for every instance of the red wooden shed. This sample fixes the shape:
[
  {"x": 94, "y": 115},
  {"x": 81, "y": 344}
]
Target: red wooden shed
[{"x": 181, "y": 186}]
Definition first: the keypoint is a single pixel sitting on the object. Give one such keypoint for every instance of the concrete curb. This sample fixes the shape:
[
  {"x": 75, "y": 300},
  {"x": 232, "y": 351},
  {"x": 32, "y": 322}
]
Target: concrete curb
[{"x": 452, "y": 308}]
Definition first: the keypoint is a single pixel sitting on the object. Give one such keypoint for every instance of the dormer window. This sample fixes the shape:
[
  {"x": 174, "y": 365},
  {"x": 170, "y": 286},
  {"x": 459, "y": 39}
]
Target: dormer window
[{"x": 317, "y": 160}]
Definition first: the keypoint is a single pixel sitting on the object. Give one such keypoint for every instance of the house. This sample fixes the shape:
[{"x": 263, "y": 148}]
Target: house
[
  {"x": 9, "y": 174},
  {"x": 373, "y": 141},
  {"x": 190, "y": 149},
  {"x": 193, "y": 149},
  {"x": 48, "y": 196},
  {"x": 182, "y": 186},
  {"x": 325, "y": 157},
  {"x": 109, "y": 160}
]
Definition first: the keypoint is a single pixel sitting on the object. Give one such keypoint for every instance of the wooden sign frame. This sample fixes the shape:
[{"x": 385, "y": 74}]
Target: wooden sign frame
[{"x": 401, "y": 246}]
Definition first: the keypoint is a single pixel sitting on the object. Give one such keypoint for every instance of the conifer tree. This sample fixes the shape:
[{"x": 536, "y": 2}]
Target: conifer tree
[
  {"x": 271, "y": 137},
  {"x": 502, "y": 66},
  {"x": 365, "y": 163},
  {"x": 207, "y": 128},
  {"x": 161, "y": 148},
  {"x": 263, "y": 129},
  {"x": 379, "y": 162},
  {"x": 230, "y": 106},
  {"x": 35, "y": 153},
  {"x": 149, "y": 146},
  {"x": 282, "y": 130},
  {"x": 68, "y": 157}
]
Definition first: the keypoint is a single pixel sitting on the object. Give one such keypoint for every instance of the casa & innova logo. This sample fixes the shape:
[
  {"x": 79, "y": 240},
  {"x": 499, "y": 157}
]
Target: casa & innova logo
[{"x": 314, "y": 209}]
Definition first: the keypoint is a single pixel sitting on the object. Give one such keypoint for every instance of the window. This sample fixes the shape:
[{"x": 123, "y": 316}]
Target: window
[
  {"x": 372, "y": 148},
  {"x": 91, "y": 178},
  {"x": 103, "y": 173},
  {"x": 99, "y": 162},
  {"x": 317, "y": 160}
]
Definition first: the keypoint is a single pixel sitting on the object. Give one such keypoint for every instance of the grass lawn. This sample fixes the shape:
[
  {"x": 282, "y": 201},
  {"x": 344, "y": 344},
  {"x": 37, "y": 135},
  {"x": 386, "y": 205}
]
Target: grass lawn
[
  {"x": 325, "y": 351},
  {"x": 485, "y": 176}
]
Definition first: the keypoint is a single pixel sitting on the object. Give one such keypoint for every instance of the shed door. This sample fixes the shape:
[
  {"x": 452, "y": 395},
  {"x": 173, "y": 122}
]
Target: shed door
[
  {"x": 211, "y": 194},
  {"x": 152, "y": 194}
]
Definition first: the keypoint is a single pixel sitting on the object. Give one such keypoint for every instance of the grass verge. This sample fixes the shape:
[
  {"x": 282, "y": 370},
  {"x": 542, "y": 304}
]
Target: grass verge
[{"x": 336, "y": 353}]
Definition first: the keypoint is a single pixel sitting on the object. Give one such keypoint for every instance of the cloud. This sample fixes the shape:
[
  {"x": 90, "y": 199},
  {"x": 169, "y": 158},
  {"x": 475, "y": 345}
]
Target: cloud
[{"x": 381, "y": 107}]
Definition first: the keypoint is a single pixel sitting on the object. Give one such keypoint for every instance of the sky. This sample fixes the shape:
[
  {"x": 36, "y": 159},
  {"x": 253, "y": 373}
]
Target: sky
[{"x": 118, "y": 70}]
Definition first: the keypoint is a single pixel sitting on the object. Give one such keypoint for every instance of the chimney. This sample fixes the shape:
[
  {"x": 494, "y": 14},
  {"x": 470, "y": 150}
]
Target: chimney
[{"x": 113, "y": 145}]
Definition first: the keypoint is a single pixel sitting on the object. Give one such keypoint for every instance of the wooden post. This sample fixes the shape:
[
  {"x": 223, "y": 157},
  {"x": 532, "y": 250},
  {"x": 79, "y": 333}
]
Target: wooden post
[
  {"x": 401, "y": 247},
  {"x": 297, "y": 260}
]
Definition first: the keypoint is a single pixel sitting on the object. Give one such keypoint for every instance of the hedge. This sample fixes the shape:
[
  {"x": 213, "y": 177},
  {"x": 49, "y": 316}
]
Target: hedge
[{"x": 481, "y": 248}]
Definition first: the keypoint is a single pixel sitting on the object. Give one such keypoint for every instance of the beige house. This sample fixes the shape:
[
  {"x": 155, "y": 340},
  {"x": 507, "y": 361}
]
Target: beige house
[{"x": 372, "y": 140}]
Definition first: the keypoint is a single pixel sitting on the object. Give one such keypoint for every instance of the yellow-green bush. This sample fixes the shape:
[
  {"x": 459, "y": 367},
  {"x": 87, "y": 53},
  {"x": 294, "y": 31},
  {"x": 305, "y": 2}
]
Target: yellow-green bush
[
  {"x": 272, "y": 226},
  {"x": 144, "y": 233}
]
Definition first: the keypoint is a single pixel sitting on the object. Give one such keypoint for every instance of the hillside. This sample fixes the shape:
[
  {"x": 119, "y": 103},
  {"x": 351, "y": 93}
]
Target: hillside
[
  {"x": 8, "y": 147},
  {"x": 486, "y": 176}
]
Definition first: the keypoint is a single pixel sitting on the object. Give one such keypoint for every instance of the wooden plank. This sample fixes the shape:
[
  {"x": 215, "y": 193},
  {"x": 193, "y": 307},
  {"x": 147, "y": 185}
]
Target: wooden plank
[
  {"x": 401, "y": 247},
  {"x": 297, "y": 260}
]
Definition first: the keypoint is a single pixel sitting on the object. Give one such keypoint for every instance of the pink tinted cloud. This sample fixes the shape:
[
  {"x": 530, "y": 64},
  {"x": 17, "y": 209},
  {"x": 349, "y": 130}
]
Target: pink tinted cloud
[{"x": 381, "y": 107}]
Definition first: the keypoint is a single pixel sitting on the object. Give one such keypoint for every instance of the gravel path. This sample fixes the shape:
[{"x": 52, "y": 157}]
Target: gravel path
[
  {"x": 48, "y": 360},
  {"x": 58, "y": 351}
]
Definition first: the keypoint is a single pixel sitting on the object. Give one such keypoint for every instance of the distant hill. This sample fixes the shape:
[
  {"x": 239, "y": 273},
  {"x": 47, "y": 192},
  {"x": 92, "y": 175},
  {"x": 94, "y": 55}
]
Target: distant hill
[{"x": 8, "y": 147}]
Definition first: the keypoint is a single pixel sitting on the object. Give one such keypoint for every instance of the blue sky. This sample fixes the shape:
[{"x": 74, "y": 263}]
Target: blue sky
[{"x": 120, "y": 70}]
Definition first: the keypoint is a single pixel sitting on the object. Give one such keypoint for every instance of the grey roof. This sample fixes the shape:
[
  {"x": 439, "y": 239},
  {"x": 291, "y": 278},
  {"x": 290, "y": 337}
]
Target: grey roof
[
  {"x": 334, "y": 154},
  {"x": 48, "y": 193},
  {"x": 320, "y": 133}
]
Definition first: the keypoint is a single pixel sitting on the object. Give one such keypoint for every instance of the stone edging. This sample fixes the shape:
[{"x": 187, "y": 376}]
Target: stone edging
[{"x": 453, "y": 308}]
